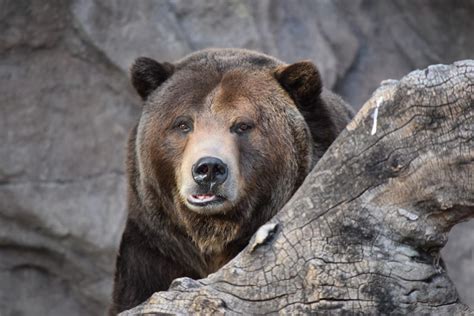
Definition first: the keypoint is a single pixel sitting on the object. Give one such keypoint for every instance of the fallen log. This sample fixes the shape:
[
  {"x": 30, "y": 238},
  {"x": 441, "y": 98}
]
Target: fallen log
[{"x": 363, "y": 234}]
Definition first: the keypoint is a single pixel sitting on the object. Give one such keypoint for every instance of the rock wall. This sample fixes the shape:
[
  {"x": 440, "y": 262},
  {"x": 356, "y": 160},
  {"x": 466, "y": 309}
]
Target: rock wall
[{"x": 66, "y": 107}]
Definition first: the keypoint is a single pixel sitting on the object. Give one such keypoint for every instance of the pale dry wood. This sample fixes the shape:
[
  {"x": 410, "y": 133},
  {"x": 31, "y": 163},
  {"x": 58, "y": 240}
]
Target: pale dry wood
[{"x": 363, "y": 233}]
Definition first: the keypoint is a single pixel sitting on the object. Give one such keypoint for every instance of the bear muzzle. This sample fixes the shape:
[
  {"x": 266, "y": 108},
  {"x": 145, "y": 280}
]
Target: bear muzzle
[
  {"x": 208, "y": 173},
  {"x": 209, "y": 178}
]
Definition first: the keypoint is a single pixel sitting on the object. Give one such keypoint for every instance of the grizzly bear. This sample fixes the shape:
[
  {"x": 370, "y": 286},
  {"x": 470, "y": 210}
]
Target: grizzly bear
[{"x": 225, "y": 138}]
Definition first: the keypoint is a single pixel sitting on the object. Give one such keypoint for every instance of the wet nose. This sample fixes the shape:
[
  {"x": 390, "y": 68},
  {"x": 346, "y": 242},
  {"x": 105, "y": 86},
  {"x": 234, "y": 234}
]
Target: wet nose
[{"x": 209, "y": 170}]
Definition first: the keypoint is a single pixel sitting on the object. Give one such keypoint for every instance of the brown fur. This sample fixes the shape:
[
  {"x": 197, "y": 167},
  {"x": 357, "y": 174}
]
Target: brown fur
[{"x": 293, "y": 126}]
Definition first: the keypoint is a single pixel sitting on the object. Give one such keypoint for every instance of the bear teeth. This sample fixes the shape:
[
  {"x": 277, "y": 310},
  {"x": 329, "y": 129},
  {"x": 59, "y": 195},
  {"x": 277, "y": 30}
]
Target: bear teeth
[{"x": 203, "y": 197}]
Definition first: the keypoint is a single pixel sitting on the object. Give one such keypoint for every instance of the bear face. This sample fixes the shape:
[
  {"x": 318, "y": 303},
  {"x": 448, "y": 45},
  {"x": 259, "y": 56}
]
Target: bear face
[{"x": 219, "y": 143}]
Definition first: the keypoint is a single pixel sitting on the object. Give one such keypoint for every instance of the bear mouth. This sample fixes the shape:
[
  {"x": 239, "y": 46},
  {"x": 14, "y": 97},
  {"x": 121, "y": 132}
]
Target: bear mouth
[{"x": 205, "y": 199}]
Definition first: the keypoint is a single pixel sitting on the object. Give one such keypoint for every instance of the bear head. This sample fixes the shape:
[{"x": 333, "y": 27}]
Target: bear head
[{"x": 224, "y": 141}]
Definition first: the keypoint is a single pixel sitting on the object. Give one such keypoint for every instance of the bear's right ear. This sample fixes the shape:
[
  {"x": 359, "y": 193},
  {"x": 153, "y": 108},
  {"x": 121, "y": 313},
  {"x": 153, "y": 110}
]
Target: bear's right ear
[{"x": 148, "y": 74}]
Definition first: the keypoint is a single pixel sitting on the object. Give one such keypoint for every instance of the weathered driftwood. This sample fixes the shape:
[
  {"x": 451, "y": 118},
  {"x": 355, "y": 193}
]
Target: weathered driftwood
[{"x": 363, "y": 233}]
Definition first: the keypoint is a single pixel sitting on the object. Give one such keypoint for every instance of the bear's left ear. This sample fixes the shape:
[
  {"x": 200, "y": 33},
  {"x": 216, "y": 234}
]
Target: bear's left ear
[
  {"x": 148, "y": 74},
  {"x": 302, "y": 82}
]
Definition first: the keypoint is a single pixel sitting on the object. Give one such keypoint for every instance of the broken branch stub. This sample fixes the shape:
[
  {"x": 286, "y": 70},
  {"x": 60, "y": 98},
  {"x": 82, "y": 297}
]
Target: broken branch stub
[{"x": 363, "y": 233}]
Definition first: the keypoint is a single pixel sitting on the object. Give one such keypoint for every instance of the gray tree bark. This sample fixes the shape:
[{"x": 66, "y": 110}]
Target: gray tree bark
[{"x": 363, "y": 233}]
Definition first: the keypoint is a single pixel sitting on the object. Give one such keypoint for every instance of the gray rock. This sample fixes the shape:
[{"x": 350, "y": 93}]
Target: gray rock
[
  {"x": 67, "y": 106},
  {"x": 458, "y": 255}
]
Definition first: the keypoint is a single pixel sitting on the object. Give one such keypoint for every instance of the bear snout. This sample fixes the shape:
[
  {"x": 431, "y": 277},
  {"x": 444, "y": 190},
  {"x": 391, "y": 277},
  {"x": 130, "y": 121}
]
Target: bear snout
[{"x": 209, "y": 190}]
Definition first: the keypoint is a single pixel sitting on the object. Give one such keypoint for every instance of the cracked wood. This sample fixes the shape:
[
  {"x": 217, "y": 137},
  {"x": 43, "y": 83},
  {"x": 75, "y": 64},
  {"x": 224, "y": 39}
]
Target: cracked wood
[{"x": 363, "y": 233}]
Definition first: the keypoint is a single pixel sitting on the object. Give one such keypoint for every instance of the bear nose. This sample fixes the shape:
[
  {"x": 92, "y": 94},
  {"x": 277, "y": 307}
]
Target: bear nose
[{"x": 209, "y": 170}]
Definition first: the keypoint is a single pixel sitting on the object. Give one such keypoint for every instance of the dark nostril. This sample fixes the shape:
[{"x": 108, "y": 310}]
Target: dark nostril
[
  {"x": 209, "y": 170},
  {"x": 220, "y": 169},
  {"x": 202, "y": 169}
]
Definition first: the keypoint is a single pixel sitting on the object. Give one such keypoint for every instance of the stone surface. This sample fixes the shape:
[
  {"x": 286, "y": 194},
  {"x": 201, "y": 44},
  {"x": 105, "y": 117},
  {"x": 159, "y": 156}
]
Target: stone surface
[{"x": 66, "y": 107}]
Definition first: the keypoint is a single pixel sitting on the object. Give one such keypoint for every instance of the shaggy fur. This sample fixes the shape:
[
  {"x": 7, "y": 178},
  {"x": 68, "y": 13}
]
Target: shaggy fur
[{"x": 294, "y": 121}]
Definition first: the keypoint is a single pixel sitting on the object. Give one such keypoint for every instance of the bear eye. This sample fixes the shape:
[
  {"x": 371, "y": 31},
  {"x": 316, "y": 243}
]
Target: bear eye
[
  {"x": 183, "y": 124},
  {"x": 242, "y": 127},
  {"x": 184, "y": 127}
]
